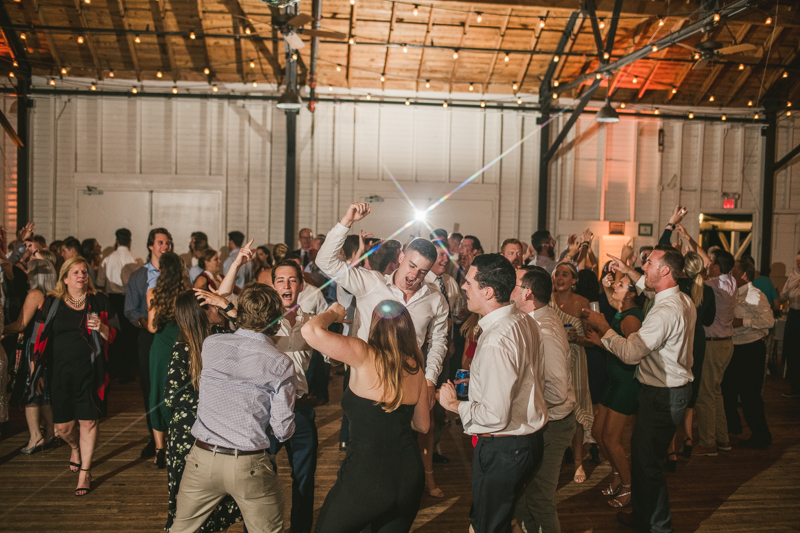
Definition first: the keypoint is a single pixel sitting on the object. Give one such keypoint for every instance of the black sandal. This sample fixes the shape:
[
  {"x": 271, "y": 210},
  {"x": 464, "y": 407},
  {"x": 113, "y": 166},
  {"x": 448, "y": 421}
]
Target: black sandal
[
  {"x": 75, "y": 465},
  {"x": 83, "y": 491},
  {"x": 161, "y": 458},
  {"x": 687, "y": 449}
]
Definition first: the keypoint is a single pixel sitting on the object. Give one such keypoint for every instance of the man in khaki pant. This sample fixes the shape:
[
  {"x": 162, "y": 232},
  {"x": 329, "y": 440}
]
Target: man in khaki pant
[
  {"x": 711, "y": 421},
  {"x": 247, "y": 384}
]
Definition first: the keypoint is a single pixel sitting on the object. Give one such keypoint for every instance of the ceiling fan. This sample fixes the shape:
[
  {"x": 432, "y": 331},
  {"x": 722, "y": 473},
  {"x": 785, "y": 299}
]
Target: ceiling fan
[
  {"x": 708, "y": 50},
  {"x": 291, "y": 27}
]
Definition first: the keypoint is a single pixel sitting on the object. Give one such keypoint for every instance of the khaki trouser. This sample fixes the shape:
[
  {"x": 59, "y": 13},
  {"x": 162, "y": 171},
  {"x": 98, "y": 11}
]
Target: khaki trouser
[
  {"x": 252, "y": 480},
  {"x": 711, "y": 422}
]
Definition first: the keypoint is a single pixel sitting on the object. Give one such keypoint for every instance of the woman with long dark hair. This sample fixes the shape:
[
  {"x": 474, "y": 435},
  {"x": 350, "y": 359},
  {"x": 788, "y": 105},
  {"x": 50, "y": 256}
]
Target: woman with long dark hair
[
  {"x": 385, "y": 401},
  {"x": 210, "y": 277},
  {"x": 161, "y": 321},
  {"x": 73, "y": 329},
  {"x": 181, "y": 396}
]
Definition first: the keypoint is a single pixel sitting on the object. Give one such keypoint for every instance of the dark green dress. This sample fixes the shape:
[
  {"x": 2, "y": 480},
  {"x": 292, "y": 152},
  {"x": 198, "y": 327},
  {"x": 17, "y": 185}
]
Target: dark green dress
[
  {"x": 622, "y": 388},
  {"x": 181, "y": 397},
  {"x": 160, "y": 355}
]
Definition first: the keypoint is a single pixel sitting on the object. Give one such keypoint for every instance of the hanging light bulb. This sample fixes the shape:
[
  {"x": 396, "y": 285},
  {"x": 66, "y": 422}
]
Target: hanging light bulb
[
  {"x": 635, "y": 79},
  {"x": 52, "y": 81},
  {"x": 159, "y": 74},
  {"x": 252, "y": 64},
  {"x": 93, "y": 87},
  {"x": 788, "y": 113},
  {"x": 785, "y": 74},
  {"x": 247, "y": 30},
  {"x": 206, "y": 71},
  {"x": 674, "y": 90},
  {"x": 352, "y": 40},
  {"x": 555, "y": 96},
  {"x": 606, "y": 55},
  {"x": 471, "y": 87},
  {"x": 255, "y": 83},
  {"x": 514, "y": 86},
  {"x": 427, "y": 84},
  {"x": 756, "y": 117},
  {"x": 174, "y": 90},
  {"x": 338, "y": 68},
  {"x": 716, "y": 17},
  {"x": 555, "y": 59},
  {"x": 383, "y": 78},
  {"x": 519, "y": 101},
  {"x": 788, "y": 104},
  {"x": 87, "y": 2},
  {"x": 11, "y": 74},
  {"x": 408, "y": 102},
  {"x": 655, "y": 48},
  {"x": 660, "y": 21},
  {"x": 623, "y": 105},
  {"x": 352, "y": 2},
  {"x": 656, "y": 112},
  {"x": 111, "y": 73},
  {"x": 506, "y": 58},
  {"x": 741, "y": 66},
  {"x": 455, "y": 54},
  {"x": 214, "y": 88},
  {"x": 369, "y": 96},
  {"x": 80, "y": 39},
  {"x": 192, "y": 36},
  {"x": 696, "y": 55},
  {"x": 416, "y": 10},
  {"x": 483, "y": 104},
  {"x": 134, "y": 90},
  {"x": 63, "y": 70},
  {"x": 541, "y": 22},
  {"x": 691, "y": 115},
  {"x": 330, "y": 88},
  {"x": 768, "y": 21},
  {"x": 479, "y": 18},
  {"x": 724, "y": 118},
  {"x": 598, "y": 76},
  {"x": 405, "y": 48},
  {"x": 749, "y": 103},
  {"x": 711, "y": 98},
  {"x": 444, "y": 104},
  {"x": 15, "y": 63},
  {"x": 137, "y": 39},
  {"x": 602, "y": 23},
  {"x": 555, "y": 83},
  {"x": 22, "y": 36},
  {"x": 294, "y": 57}
]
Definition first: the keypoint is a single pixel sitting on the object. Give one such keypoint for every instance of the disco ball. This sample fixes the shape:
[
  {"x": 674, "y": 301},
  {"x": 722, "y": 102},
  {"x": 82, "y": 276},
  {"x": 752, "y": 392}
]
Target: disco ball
[{"x": 279, "y": 3}]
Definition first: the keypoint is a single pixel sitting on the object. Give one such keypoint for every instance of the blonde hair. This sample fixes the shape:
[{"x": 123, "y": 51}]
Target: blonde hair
[
  {"x": 61, "y": 290},
  {"x": 693, "y": 266},
  {"x": 470, "y": 329},
  {"x": 393, "y": 341}
]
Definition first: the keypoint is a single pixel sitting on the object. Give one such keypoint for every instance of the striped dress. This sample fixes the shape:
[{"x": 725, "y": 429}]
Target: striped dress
[{"x": 584, "y": 414}]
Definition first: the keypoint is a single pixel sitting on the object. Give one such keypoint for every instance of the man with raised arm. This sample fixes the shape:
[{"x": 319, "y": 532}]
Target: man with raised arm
[{"x": 425, "y": 303}]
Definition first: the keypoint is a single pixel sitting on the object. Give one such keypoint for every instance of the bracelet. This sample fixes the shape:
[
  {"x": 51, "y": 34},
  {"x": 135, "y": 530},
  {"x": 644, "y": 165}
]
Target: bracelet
[
  {"x": 229, "y": 308},
  {"x": 670, "y": 225},
  {"x": 585, "y": 243}
]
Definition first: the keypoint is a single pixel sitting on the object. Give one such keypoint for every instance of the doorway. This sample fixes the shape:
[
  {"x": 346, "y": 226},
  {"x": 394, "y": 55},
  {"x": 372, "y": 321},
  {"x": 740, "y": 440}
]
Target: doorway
[{"x": 731, "y": 232}]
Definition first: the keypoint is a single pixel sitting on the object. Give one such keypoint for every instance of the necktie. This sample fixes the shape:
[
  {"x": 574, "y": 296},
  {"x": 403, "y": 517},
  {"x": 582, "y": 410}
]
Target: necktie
[
  {"x": 649, "y": 305},
  {"x": 440, "y": 283}
]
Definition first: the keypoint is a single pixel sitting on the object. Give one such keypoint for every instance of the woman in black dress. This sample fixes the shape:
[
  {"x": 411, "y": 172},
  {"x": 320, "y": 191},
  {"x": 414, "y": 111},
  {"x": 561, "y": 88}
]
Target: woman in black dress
[
  {"x": 181, "y": 396},
  {"x": 73, "y": 329},
  {"x": 381, "y": 480}
]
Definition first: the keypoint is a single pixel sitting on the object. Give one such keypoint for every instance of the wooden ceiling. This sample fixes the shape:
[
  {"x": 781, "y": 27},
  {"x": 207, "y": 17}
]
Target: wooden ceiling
[{"x": 230, "y": 35}]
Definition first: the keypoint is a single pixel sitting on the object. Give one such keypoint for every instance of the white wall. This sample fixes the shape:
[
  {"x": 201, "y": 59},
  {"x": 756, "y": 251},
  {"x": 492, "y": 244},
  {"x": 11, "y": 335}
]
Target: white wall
[{"x": 351, "y": 151}]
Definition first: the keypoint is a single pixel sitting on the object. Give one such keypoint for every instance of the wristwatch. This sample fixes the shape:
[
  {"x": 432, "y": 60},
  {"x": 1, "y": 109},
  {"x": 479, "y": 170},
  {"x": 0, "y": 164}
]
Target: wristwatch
[{"x": 229, "y": 308}]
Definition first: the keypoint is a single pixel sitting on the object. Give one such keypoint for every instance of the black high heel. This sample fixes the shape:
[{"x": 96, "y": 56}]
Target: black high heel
[
  {"x": 83, "y": 491},
  {"x": 161, "y": 458},
  {"x": 687, "y": 448}
]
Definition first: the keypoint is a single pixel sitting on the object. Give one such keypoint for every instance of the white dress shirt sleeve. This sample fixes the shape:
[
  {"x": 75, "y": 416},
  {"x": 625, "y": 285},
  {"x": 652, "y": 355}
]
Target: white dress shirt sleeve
[
  {"x": 791, "y": 283},
  {"x": 491, "y": 396},
  {"x": 437, "y": 348},
  {"x": 757, "y": 312},
  {"x": 652, "y": 334},
  {"x": 556, "y": 369},
  {"x": 356, "y": 281}
]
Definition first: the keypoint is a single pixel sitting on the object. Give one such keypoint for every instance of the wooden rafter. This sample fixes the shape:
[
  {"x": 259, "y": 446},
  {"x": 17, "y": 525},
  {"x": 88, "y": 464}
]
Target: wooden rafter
[
  {"x": 130, "y": 38},
  {"x": 774, "y": 76},
  {"x": 534, "y": 43},
  {"x": 424, "y": 42},
  {"x": 567, "y": 49},
  {"x": 499, "y": 44},
  {"x": 47, "y": 34},
  {"x": 651, "y": 76},
  {"x": 748, "y": 69},
  {"x": 454, "y": 72},
  {"x": 715, "y": 72},
  {"x": 88, "y": 39},
  {"x": 351, "y": 33},
  {"x": 388, "y": 41},
  {"x": 236, "y": 27},
  {"x": 173, "y": 64},
  {"x": 635, "y": 44}
]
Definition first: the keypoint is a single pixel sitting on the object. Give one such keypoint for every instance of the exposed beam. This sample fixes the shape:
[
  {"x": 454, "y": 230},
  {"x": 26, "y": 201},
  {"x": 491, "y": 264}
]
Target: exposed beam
[
  {"x": 388, "y": 41},
  {"x": 768, "y": 189},
  {"x": 425, "y": 42},
  {"x": 534, "y": 43},
  {"x": 259, "y": 44},
  {"x": 173, "y": 64},
  {"x": 500, "y": 37},
  {"x": 785, "y": 160},
  {"x": 454, "y": 72},
  {"x": 638, "y": 36},
  {"x": 715, "y": 72},
  {"x": 598, "y": 38},
  {"x": 774, "y": 77},
  {"x": 651, "y": 76},
  {"x": 576, "y": 113},
  {"x": 730, "y": 10},
  {"x": 89, "y": 41},
  {"x": 562, "y": 43},
  {"x": 130, "y": 38},
  {"x": 238, "y": 48},
  {"x": 350, "y": 33},
  {"x": 748, "y": 69},
  {"x": 570, "y": 44},
  {"x": 9, "y": 129},
  {"x": 679, "y": 80},
  {"x": 51, "y": 43}
]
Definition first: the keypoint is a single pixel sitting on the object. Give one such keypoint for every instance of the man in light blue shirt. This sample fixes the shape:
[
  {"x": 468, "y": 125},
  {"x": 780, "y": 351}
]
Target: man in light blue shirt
[{"x": 245, "y": 274}]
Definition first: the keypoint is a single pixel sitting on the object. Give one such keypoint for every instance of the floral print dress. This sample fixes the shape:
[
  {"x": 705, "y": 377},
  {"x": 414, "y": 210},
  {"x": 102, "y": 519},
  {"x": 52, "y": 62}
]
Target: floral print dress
[{"x": 181, "y": 397}]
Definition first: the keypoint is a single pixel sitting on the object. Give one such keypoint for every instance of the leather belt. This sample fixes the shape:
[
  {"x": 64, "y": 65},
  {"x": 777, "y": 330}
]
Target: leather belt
[
  {"x": 224, "y": 451},
  {"x": 712, "y": 339},
  {"x": 494, "y": 435}
]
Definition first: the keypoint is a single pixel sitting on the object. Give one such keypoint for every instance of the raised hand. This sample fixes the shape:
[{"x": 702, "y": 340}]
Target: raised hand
[
  {"x": 678, "y": 214},
  {"x": 362, "y": 245},
  {"x": 588, "y": 235},
  {"x": 211, "y": 298},
  {"x": 339, "y": 312},
  {"x": 245, "y": 254},
  {"x": 26, "y": 232},
  {"x": 357, "y": 211}
]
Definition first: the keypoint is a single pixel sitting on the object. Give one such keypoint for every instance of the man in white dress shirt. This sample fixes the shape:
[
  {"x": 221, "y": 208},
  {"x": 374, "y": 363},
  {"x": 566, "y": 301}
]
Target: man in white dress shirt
[
  {"x": 506, "y": 410},
  {"x": 301, "y": 448},
  {"x": 752, "y": 318},
  {"x": 663, "y": 350},
  {"x": 537, "y": 506}
]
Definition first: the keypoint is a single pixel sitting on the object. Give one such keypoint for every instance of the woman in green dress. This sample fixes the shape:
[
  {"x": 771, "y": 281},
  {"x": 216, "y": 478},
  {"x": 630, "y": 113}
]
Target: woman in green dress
[
  {"x": 161, "y": 320},
  {"x": 621, "y": 392},
  {"x": 181, "y": 396}
]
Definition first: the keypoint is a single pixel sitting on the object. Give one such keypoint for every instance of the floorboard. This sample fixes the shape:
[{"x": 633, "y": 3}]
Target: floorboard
[{"x": 739, "y": 491}]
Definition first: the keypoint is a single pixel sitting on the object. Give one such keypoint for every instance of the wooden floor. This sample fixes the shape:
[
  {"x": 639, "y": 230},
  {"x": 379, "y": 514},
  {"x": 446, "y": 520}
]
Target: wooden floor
[{"x": 742, "y": 490}]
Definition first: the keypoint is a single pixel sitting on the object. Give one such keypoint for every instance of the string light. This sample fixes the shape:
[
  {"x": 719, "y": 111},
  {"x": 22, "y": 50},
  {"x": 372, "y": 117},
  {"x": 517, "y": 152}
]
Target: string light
[
  {"x": 252, "y": 64},
  {"x": 22, "y": 36},
  {"x": 330, "y": 88},
  {"x": 598, "y": 75},
  {"x": 111, "y": 73},
  {"x": 255, "y": 83},
  {"x": 427, "y": 84},
  {"x": 555, "y": 96},
  {"x": 506, "y": 58},
  {"x": 785, "y": 74},
  {"x": 159, "y": 74},
  {"x": 749, "y": 103},
  {"x": 471, "y": 87},
  {"x": 514, "y": 86},
  {"x": 541, "y": 22},
  {"x": 674, "y": 90},
  {"x": 788, "y": 104},
  {"x": 756, "y": 117},
  {"x": 555, "y": 83},
  {"x": 405, "y": 48},
  {"x": 660, "y": 21},
  {"x": 479, "y": 18},
  {"x": 555, "y": 59},
  {"x": 455, "y": 54},
  {"x": 635, "y": 79},
  {"x": 369, "y": 96},
  {"x": 655, "y": 48},
  {"x": 192, "y": 35},
  {"x": 138, "y": 39},
  {"x": 11, "y": 74},
  {"x": 206, "y": 71},
  {"x": 87, "y": 1},
  {"x": 696, "y": 55},
  {"x": 602, "y": 23},
  {"x": 63, "y": 70},
  {"x": 691, "y": 115},
  {"x": 174, "y": 90},
  {"x": 519, "y": 101},
  {"x": 741, "y": 66},
  {"x": 93, "y": 87},
  {"x": 80, "y": 39},
  {"x": 408, "y": 102},
  {"x": 214, "y": 88},
  {"x": 623, "y": 105},
  {"x": 352, "y": 40},
  {"x": 606, "y": 55},
  {"x": 383, "y": 78},
  {"x": 444, "y": 104},
  {"x": 52, "y": 81},
  {"x": 656, "y": 112},
  {"x": 338, "y": 68},
  {"x": 247, "y": 30},
  {"x": 711, "y": 98},
  {"x": 724, "y": 118},
  {"x": 483, "y": 104},
  {"x": 15, "y": 63},
  {"x": 416, "y": 10},
  {"x": 788, "y": 113},
  {"x": 134, "y": 90},
  {"x": 716, "y": 17},
  {"x": 768, "y": 21},
  {"x": 294, "y": 57}
]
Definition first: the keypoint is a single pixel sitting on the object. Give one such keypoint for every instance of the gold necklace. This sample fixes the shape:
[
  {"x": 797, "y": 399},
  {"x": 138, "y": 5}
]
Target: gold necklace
[{"x": 76, "y": 303}]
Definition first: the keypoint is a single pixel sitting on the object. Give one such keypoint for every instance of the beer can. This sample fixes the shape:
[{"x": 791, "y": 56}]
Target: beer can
[{"x": 462, "y": 389}]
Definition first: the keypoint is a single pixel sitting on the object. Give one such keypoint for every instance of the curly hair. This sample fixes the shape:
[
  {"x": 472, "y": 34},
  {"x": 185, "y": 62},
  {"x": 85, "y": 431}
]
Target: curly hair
[{"x": 171, "y": 283}]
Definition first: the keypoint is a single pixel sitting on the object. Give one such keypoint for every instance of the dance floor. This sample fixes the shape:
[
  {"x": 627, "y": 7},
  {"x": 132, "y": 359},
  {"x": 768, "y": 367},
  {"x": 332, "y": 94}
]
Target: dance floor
[{"x": 742, "y": 490}]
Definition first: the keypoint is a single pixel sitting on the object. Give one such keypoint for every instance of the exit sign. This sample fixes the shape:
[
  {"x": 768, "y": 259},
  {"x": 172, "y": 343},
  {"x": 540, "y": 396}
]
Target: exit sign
[{"x": 729, "y": 203}]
